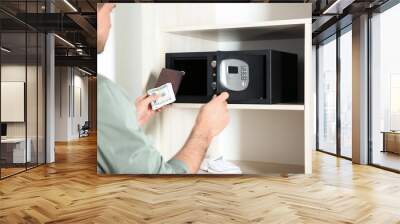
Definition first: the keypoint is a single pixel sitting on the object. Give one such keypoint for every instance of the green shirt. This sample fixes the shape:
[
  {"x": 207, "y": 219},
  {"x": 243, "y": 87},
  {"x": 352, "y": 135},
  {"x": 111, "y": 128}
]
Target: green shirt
[{"x": 122, "y": 146}]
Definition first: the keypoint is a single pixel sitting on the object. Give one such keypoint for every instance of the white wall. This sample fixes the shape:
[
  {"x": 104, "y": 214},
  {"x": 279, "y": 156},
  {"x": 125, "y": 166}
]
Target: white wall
[
  {"x": 119, "y": 61},
  {"x": 12, "y": 101},
  {"x": 61, "y": 103},
  {"x": 245, "y": 13},
  {"x": 33, "y": 127},
  {"x": 12, "y": 73},
  {"x": 106, "y": 60},
  {"x": 69, "y": 81},
  {"x": 81, "y": 108}
]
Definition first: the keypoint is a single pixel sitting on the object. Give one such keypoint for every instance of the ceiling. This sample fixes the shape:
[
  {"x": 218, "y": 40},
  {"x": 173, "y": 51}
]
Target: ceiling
[
  {"x": 332, "y": 15},
  {"x": 72, "y": 20},
  {"x": 75, "y": 21}
]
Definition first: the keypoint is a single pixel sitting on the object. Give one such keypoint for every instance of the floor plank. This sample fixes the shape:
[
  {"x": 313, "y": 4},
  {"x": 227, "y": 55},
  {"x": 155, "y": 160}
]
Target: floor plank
[{"x": 70, "y": 191}]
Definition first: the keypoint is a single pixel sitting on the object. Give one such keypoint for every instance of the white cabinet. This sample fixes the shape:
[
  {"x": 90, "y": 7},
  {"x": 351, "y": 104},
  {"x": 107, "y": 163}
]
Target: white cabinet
[{"x": 17, "y": 148}]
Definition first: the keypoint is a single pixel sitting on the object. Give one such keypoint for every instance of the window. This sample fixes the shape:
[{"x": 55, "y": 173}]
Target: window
[
  {"x": 22, "y": 78},
  {"x": 385, "y": 89},
  {"x": 346, "y": 93},
  {"x": 327, "y": 96},
  {"x": 335, "y": 74},
  {"x": 395, "y": 102}
]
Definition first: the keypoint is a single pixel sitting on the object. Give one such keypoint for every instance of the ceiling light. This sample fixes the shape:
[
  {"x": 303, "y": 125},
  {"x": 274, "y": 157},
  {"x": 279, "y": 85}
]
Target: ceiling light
[
  {"x": 338, "y": 6},
  {"x": 79, "y": 51},
  {"x": 70, "y": 5},
  {"x": 84, "y": 71},
  {"x": 5, "y": 50},
  {"x": 65, "y": 41}
]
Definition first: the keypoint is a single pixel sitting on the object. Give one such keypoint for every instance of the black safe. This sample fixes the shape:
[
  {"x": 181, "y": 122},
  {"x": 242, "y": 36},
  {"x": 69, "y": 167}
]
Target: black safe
[{"x": 251, "y": 77}]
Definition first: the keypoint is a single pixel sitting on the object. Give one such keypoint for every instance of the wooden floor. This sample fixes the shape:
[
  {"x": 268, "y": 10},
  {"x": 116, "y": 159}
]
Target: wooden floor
[
  {"x": 70, "y": 191},
  {"x": 387, "y": 159},
  {"x": 5, "y": 172}
]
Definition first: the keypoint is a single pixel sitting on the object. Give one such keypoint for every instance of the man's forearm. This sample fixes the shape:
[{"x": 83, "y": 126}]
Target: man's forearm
[{"x": 195, "y": 148}]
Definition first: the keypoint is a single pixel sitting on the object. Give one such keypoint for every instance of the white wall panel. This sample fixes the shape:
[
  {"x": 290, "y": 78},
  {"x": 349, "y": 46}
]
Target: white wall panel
[{"x": 12, "y": 101}]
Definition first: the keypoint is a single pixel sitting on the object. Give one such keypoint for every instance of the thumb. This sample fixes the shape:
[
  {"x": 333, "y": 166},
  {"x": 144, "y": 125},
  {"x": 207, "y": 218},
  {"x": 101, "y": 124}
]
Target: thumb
[
  {"x": 151, "y": 98},
  {"x": 140, "y": 98},
  {"x": 223, "y": 96}
]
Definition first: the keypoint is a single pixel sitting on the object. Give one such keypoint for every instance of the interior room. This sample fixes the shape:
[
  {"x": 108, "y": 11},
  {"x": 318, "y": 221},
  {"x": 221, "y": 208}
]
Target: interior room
[
  {"x": 22, "y": 100},
  {"x": 48, "y": 84},
  {"x": 329, "y": 156},
  {"x": 334, "y": 68}
]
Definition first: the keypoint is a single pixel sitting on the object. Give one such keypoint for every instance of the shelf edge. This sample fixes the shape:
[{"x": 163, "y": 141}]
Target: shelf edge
[{"x": 288, "y": 107}]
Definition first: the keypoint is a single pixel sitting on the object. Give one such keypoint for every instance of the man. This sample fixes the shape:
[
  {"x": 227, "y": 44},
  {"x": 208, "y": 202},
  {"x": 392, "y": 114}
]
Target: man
[{"x": 123, "y": 147}]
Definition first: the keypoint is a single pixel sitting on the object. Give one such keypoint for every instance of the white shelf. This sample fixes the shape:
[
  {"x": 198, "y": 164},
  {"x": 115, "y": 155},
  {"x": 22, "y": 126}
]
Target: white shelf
[
  {"x": 263, "y": 168},
  {"x": 297, "y": 107},
  {"x": 276, "y": 29}
]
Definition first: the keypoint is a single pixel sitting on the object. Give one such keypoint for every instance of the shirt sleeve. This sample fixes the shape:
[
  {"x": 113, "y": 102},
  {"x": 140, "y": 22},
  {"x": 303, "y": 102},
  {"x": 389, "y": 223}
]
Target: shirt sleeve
[{"x": 122, "y": 147}]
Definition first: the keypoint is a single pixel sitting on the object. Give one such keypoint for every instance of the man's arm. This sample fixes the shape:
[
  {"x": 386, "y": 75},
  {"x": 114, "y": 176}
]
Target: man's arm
[
  {"x": 123, "y": 148},
  {"x": 194, "y": 150},
  {"x": 211, "y": 120}
]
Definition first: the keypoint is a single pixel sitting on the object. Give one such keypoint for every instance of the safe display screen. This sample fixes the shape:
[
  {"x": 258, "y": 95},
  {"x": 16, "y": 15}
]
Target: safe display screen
[{"x": 233, "y": 69}]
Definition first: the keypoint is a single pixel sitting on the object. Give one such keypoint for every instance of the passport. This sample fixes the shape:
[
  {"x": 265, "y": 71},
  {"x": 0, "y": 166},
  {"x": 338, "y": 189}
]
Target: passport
[{"x": 170, "y": 76}]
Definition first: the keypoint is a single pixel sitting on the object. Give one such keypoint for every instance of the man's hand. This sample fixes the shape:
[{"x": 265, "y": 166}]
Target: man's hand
[
  {"x": 213, "y": 117},
  {"x": 211, "y": 120},
  {"x": 143, "y": 108}
]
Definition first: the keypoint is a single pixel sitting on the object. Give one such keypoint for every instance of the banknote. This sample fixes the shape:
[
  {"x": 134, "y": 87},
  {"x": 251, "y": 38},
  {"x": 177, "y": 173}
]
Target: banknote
[{"x": 166, "y": 94}]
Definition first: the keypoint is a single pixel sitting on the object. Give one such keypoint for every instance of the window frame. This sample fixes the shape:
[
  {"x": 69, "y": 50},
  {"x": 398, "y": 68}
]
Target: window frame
[{"x": 334, "y": 37}]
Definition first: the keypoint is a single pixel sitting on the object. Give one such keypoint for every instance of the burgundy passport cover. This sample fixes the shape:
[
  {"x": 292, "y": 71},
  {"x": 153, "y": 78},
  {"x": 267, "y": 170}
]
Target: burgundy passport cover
[{"x": 172, "y": 76}]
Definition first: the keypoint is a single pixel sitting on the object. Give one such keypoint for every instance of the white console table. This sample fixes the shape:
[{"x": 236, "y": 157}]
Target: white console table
[{"x": 18, "y": 154}]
